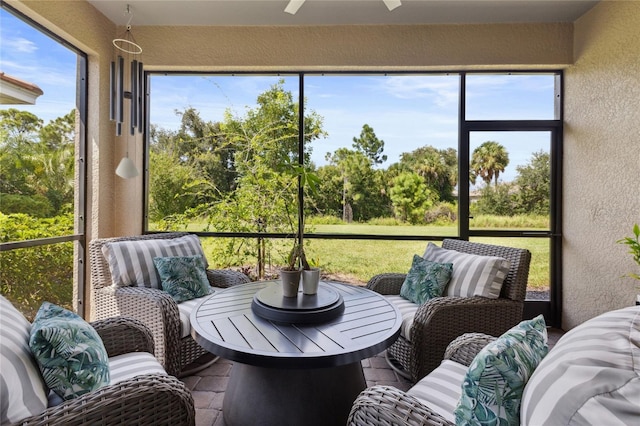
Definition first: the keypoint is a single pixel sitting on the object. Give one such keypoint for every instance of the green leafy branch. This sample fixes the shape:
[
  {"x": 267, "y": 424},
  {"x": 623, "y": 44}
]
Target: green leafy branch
[{"x": 634, "y": 248}]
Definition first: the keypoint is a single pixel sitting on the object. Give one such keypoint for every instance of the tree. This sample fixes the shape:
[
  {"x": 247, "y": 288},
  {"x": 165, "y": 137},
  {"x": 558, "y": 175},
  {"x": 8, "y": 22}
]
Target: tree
[
  {"x": 53, "y": 159},
  {"x": 497, "y": 200},
  {"x": 438, "y": 168},
  {"x": 411, "y": 197},
  {"x": 362, "y": 189},
  {"x": 265, "y": 142},
  {"x": 37, "y": 159},
  {"x": 19, "y": 131},
  {"x": 534, "y": 183},
  {"x": 173, "y": 186},
  {"x": 488, "y": 161},
  {"x": 369, "y": 144}
]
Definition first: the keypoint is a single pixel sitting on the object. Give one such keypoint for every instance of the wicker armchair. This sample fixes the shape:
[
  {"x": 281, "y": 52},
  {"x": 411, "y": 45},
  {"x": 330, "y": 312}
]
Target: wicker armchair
[
  {"x": 440, "y": 320},
  {"x": 147, "y": 399},
  {"x": 153, "y": 307},
  {"x": 386, "y": 405}
]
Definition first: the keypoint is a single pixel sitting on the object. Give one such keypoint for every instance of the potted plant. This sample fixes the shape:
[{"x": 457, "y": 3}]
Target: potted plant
[
  {"x": 634, "y": 249},
  {"x": 297, "y": 260},
  {"x": 310, "y": 276},
  {"x": 290, "y": 273}
]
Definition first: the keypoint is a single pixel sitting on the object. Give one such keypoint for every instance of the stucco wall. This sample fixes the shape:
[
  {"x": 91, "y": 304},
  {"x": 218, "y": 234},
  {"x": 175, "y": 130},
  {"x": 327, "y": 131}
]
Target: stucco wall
[
  {"x": 379, "y": 47},
  {"x": 601, "y": 161}
]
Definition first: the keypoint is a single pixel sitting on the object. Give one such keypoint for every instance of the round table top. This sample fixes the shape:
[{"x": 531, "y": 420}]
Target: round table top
[{"x": 225, "y": 325}]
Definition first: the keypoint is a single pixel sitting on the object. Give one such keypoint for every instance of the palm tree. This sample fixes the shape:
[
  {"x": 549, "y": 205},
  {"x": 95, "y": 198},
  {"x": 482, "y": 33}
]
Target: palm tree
[{"x": 488, "y": 161}]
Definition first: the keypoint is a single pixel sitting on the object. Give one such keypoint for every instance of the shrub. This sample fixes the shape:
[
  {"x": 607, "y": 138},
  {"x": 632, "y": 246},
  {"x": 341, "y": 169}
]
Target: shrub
[
  {"x": 34, "y": 274},
  {"x": 323, "y": 220},
  {"x": 442, "y": 214},
  {"x": 34, "y": 205},
  {"x": 384, "y": 221}
]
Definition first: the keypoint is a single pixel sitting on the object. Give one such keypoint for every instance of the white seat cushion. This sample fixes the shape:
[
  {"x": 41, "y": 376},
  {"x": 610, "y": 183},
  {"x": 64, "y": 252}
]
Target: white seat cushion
[
  {"x": 440, "y": 390},
  {"x": 185, "y": 309},
  {"x": 408, "y": 311},
  {"x": 127, "y": 366}
]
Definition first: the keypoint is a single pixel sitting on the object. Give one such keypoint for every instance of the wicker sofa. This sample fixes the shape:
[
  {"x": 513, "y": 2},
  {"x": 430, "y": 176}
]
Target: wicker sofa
[
  {"x": 591, "y": 376},
  {"x": 440, "y": 320},
  {"x": 147, "y": 396},
  {"x": 174, "y": 347}
]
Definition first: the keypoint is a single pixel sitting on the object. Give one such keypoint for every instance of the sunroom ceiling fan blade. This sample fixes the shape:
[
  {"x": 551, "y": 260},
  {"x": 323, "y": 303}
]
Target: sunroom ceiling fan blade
[
  {"x": 293, "y": 6},
  {"x": 392, "y": 4}
]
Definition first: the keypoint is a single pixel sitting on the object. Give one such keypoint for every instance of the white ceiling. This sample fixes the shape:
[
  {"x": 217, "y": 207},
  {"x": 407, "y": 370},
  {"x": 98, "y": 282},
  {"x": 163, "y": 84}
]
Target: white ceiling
[{"x": 339, "y": 12}]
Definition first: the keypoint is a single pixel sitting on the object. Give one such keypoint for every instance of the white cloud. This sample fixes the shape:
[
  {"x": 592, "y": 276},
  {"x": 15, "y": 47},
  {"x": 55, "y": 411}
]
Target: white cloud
[
  {"x": 442, "y": 90},
  {"x": 20, "y": 45}
]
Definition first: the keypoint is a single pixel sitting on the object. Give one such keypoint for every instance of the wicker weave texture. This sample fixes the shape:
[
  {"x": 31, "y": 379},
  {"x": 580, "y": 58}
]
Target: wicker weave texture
[
  {"x": 150, "y": 399},
  {"x": 388, "y": 406},
  {"x": 153, "y": 307},
  {"x": 465, "y": 348},
  {"x": 440, "y": 320},
  {"x": 124, "y": 335}
]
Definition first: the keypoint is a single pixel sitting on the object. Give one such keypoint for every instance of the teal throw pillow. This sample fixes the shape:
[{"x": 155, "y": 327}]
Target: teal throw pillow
[
  {"x": 493, "y": 386},
  {"x": 184, "y": 278},
  {"x": 425, "y": 280},
  {"x": 69, "y": 352}
]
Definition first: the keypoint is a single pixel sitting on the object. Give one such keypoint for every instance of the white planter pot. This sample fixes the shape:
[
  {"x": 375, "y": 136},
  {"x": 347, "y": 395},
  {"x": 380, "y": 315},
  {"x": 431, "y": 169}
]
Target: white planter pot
[
  {"x": 290, "y": 282},
  {"x": 310, "y": 280}
]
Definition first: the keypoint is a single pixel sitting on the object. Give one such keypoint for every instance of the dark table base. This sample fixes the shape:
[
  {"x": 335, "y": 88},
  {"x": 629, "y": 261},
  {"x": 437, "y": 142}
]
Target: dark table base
[{"x": 296, "y": 397}]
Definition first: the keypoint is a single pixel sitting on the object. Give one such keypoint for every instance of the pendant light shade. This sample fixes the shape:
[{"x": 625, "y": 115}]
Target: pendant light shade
[{"x": 126, "y": 169}]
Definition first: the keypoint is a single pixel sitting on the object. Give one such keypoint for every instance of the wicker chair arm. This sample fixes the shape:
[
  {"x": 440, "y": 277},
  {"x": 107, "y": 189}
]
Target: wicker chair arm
[
  {"x": 465, "y": 348},
  {"x": 225, "y": 278},
  {"x": 388, "y": 406},
  {"x": 441, "y": 320},
  {"x": 388, "y": 283},
  {"x": 149, "y": 399},
  {"x": 460, "y": 306},
  {"x": 154, "y": 308},
  {"x": 122, "y": 335}
]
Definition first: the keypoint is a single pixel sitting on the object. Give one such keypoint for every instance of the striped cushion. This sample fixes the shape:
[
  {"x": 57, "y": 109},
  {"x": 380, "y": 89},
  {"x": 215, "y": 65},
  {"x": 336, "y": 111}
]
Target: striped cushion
[
  {"x": 473, "y": 275},
  {"x": 440, "y": 389},
  {"x": 185, "y": 308},
  {"x": 131, "y": 262},
  {"x": 22, "y": 390},
  {"x": 408, "y": 311},
  {"x": 591, "y": 376},
  {"x": 127, "y": 366}
]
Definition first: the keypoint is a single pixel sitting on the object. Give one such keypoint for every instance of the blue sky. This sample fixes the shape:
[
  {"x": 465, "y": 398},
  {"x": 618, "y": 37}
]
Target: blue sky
[
  {"x": 406, "y": 111},
  {"x": 34, "y": 57}
]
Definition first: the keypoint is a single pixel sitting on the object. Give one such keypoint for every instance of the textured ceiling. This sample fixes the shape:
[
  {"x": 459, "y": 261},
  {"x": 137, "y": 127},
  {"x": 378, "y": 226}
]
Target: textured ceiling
[{"x": 339, "y": 12}]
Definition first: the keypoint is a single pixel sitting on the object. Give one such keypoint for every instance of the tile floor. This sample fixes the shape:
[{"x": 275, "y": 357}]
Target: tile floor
[{"x": 208, "y": 385}]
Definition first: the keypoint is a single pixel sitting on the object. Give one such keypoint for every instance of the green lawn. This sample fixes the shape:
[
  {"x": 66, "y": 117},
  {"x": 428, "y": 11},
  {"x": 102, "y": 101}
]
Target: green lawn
[
  {"x": 361, "y": 259},
  {"x": 356, "y": 261}
]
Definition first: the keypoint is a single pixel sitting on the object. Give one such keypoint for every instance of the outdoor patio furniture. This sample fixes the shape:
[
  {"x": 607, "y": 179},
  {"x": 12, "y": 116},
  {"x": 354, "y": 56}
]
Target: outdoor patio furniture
[
  {"x": 167, "y": 320},
  {"x": 139, "y": 390},
  {"x": 386, "y": 405},
  {"x": 440, "y": 320},
  {"x": 296, "y": 367},
  {"x": 590, "y": 376}
]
